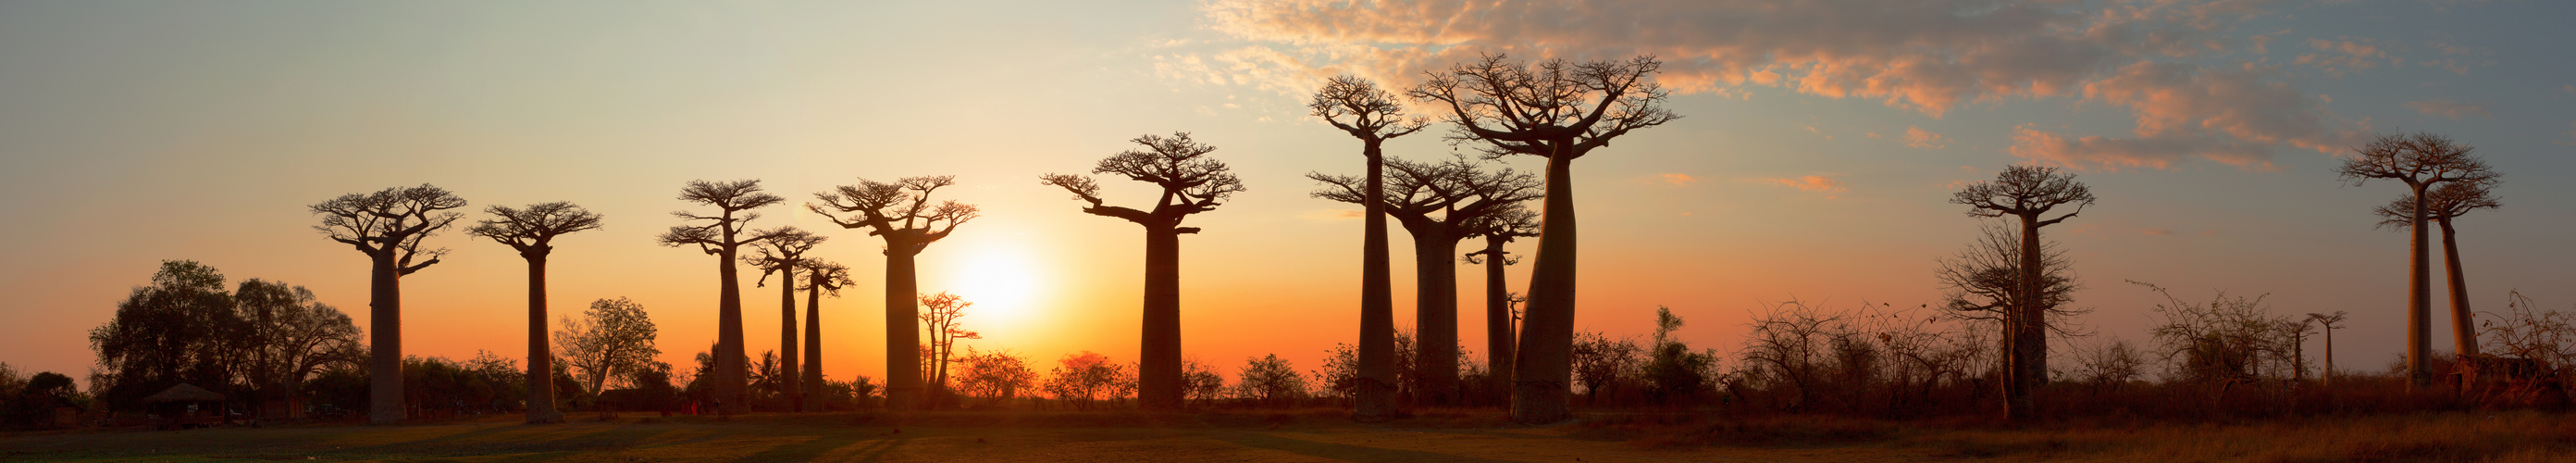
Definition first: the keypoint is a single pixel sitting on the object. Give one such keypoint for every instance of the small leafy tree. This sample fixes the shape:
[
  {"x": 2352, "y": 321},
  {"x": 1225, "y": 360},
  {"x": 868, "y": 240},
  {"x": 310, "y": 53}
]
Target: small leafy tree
[{"x": 613, "y": 339}]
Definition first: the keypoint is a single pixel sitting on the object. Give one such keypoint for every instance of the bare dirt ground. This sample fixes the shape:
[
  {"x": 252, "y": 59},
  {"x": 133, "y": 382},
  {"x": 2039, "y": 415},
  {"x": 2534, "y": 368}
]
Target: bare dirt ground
[{"x": 1317, "y": 435}]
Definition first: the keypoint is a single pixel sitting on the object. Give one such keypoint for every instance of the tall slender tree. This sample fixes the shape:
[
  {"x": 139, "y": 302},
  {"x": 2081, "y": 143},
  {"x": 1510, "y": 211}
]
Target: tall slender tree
[
  {"x": 783, "y": 254},
  {"x": 1559, "y": 111},
  {"x": 821, "y": 276},
  {"x": 723, "y": 235},
  {"x": 2422, "y": 161},
  {"x": 2450, "y": 201},
  {"x": 1499, "y": 229},
  {"x": 901, "y": 213},
  {"x": 388, "y": 226},
  {"x": 532, "y": 232},
  {"x": 2026, "y": 193},
  {"x": 1373, "y": 116},
  {"x": 1437, "y": 202},
  {"x": 1191, "y": 183},
  {"x": 944, "y": 331}
]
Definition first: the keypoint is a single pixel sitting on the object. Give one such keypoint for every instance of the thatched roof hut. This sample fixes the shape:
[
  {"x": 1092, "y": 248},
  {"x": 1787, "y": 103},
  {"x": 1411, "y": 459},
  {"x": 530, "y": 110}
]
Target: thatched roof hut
[{"x": 184, "y": 393}]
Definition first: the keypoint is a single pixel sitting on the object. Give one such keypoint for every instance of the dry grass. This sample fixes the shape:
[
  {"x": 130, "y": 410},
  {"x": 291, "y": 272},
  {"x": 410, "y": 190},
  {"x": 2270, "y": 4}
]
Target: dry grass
[{"x": 1325, "y": 434}]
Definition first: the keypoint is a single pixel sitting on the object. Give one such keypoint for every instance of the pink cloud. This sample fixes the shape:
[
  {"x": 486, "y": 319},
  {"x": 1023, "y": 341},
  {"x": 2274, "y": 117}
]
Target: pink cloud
[
  {"x": 2449, "y": 109},
  {"x": 1676, "y": 179},
  {"x": 1918, "y": 138},
  {"x": 1809, "y": 183}
]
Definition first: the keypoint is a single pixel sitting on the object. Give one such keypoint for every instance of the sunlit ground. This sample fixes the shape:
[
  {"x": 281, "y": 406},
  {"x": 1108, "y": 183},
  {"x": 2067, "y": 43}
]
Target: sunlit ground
[{"x": 1320, "y": 435}]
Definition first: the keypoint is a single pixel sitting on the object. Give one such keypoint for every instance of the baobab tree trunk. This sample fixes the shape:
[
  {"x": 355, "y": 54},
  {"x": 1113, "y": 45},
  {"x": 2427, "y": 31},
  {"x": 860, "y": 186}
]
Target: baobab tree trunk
[
  {"x": 730, "y": 374},
  {"x": 813, "y": 382},
  {"x": 2419, "y": 299},
  {"x": 1436, "y": 315},
  {"x": 541, "y": 389},
  {"x": 1498, "y": 322},
  {"x": 1158, "y": 367},
  {"x": 903, "y": 329},
  {"x": 1543, "y": 372},
  {"x": 2463, "y": 331},
  {"x": 1375, "y": 395},
  {"x": 787, "y": 367},
  {"x": 384, "y": 330},
  {"x": 2029, "y": 361}
]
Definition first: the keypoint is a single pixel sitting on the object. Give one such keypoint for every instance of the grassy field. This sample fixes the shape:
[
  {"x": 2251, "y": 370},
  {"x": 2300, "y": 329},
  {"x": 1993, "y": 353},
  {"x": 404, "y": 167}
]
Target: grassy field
[{"x": 1321, "y": 435}]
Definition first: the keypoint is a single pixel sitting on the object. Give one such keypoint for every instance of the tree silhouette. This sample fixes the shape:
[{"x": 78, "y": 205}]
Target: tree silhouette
[
  {"x": 1191, "y": 183},
  {"x": 821, "y": 276},
  {"x": 2329, "y": 321},
  {"x": 1374, "y": 117},
  {"x": 722, "y": 236},
  {"x": 1498, "y": 229},
  {"x": 2449, "y": 201},
  {"x": 2026, "y": 193},
  {"x": 532, "y": 231},
  {"x": 1559, "y": 111},
  {"x": 901, "y": 213},
  {"x": 1437, "y": 203},
  {"x": 388, "y": 226},
  {"x": 2422, "y": 161},
  {"x": 289, "y": 335},
  {"x": 613, "y": 339},
  {"x": 783, "y": 254},
  {"x": 944, "y": 330}
]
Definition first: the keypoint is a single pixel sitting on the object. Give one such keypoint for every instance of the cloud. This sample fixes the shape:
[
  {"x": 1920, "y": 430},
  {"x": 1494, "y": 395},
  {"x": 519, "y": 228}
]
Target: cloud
[
  {"x": 1927, "y": 56},
  {"x": 1809, "y": 183},
  {"x": 2449, "y": 109},
  {"x": 2345, "y": 54},
  {"x": 1332, "y": 214},
  {"x": 1918, "y": 138},
  {"x": 2184, "y": 111},
  {"x": 1676, "y": 179},
  {"x": 2571, "y": 137},
  {"x": 2156, "y": 232}
]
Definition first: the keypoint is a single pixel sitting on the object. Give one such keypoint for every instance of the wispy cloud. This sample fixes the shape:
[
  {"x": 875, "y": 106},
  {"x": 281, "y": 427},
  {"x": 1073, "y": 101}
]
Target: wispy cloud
[
  {"x": 2448, "y": 109},
  {"x": 1821, "y": 183},
  {"x": 1676, "y": 179},
  {"x": 1331, "y": 214},
  {"x": 1925, "y": 139}
]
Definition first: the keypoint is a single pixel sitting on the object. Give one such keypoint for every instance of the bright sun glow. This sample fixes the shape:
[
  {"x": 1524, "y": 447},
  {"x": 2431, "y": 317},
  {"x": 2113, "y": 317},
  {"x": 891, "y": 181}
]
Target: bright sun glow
[{"x": 1003, "y": 281}]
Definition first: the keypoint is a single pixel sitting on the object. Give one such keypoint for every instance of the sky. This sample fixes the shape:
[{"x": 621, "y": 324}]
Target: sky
[{"x": 1818, "y": 147}]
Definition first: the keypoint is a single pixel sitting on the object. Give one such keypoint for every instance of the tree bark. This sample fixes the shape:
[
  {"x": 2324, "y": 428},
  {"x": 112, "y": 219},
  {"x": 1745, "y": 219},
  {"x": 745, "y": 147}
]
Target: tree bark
[
  {"x": 1158, "y": 369},
  {"x": 384, "y": 330},
  {"x": 1435, "y": 312},
  {"x": 1543, "y": 372},
  {"x": 788, "y": 369},
  {"x": 2419, "y": 299},
  {"x": 2029, "y": 355},
  {"x": 813, "y": 382},
  {"x": 1498, "y": 322},
  {"x": 903, "y": 328},
  {"x": 541, "y": 389},
  {"x": 730, "y": 374},
  {"x": 1375, "y": 393},
  {"x": 2464, "y": 331}
]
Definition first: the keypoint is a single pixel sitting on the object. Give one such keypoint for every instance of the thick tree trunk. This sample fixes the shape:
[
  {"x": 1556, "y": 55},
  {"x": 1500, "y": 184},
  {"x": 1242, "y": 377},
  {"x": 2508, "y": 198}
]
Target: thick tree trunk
[
  {"x": 1375, "y": 394},
  {"x": 2419, "y": 299},
  {"x": 1498, "y": 323},
  {"x": 1436, "y": 314},
  {"x": 813, "y": 381},
  {"x": 2029, "y": 355},
  {"x": 903, "y": 329},
  {"x": 1543, "y": 371},
  {"x": 541, "y": 388},
  {"x": 384, "y": 363},
  {"x": 1158, "y": 367},
  {"x": 788, "y": 369},
  {"x": 730, "y": 371},
  {"x": 2464, "y": 331}
]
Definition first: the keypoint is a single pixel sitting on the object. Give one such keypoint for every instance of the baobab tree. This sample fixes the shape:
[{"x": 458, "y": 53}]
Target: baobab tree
[
  {"x": 532, "y": 232},
  {"x": 901, "y": 213},
  {"x": 723, "y": 236},
  {"x": 2450, "y": 201},
  {"x": 1191, "y": 183},
  {"x": 1559, "y": 111},
  {"x": 1374, "y": 116},
  {"x": 2329, "y": 321},
  {"x": 388, "y": 226},
  {"x": 783, "y": 254},
  {"x": 821, "y": 276},
  {"x": 1437, "y": 203},
  {"x": 2422, "y": 161},
  {"x": 944, "y": 331},
  {"x": 2026, "y": 193},
  {"x": 1499, "y": 229}
]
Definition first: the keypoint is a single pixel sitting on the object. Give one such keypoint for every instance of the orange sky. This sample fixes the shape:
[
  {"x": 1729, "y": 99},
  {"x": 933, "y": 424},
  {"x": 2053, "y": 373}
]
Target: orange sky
[{"x": 1812, "y": 163}]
